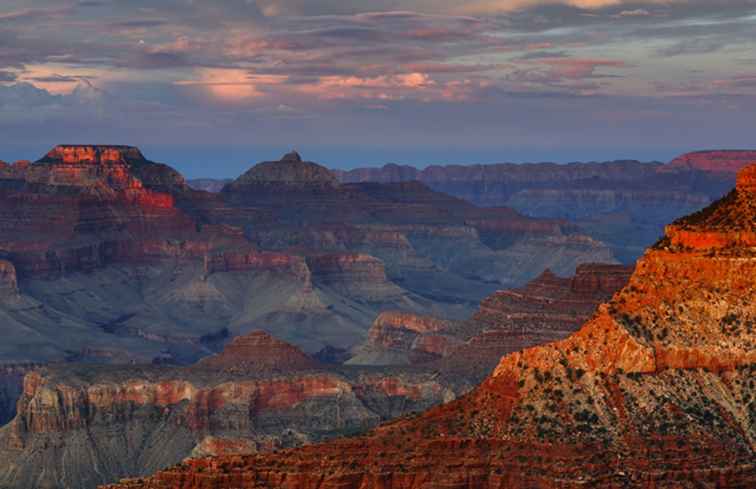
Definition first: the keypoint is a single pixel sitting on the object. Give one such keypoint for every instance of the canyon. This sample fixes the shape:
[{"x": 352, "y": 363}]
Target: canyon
[
  {"x": 108, "y": 260},
  {"x": 88, "y": 425},
  {"x": 549, "y": 308},
  {"x": 110, "y": 257},
  {"x": 654, "y": 390},
  {"x": 79, "y": 426},
  {"x": 624, "y": 203}
]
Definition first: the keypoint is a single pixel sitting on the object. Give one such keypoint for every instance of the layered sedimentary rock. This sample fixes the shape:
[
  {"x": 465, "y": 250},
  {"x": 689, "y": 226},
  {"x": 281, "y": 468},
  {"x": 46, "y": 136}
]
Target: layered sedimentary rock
[
  {"x": 11, "y": 384},
  {"x": 80, "y": 426},
  {"x": 353, "y": 274},
  {"x": 423, "y": 237},
  {"x": 656, "y": 390},
  {"x": 624, "y": 203},
  {"x": 83, "y": 207},
  {"x": 118, "y": 260},
  {"x": 728, "y": 162},
  {"x": 400, "y": 338},
  {"x": 549, "y": 308},
  {"x": 258, "y": 352}
]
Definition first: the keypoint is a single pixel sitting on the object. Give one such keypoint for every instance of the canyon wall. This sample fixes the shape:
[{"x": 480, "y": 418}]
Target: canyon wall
[
  {"x": 655, "y": 390},
  {"x": 79, "y": 426},
  {"x": 624, "y": 203}
]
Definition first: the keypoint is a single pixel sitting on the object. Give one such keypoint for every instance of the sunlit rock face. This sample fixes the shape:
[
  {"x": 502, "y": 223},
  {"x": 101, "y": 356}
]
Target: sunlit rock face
[
  {"x": 655, "y": 390},
  {"x": 723, "y": 161},
  {"x": 81, "y": 207}
]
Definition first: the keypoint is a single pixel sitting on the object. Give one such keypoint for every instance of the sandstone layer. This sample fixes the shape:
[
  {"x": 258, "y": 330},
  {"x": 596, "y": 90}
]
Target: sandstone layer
[
  {"x": 432, "y": 361},
  {"x": 82, "y": 426},
  {"x": 655, "y": 390},
  {"x": 548, "y": 308}
]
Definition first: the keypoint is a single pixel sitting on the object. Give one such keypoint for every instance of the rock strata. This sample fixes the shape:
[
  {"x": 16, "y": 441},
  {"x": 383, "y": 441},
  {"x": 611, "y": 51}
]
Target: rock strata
[
  {"x": 259, "y": 352},
  {"x": 549, "y": 308},
  {"x": 79, "y": 426},
  {"x": 623, "y": 203},
  {"x": 721, "y": 162},
  {"x": 655, "y": 390}
]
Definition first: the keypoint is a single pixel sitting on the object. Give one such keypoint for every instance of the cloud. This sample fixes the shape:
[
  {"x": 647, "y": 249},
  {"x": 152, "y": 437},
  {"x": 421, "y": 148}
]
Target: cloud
[
  {"x": 219, "y": 66},
  {"x": 7, "y": 76},
  {"x": 639, "y": 12}
]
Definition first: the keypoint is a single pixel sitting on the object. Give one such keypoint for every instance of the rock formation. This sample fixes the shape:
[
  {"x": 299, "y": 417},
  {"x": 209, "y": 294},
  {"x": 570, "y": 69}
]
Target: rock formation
[
  {"x": 118, "y": 260},
  {"x": 8, "y": 280},
  {"x": 728, "y": 162},
  {"x": 623, "y": 203},
  {"x": 258, "y": 352},
  {"x": 11, "y": 383},
  {"x": 549, "y": 308},
  {"x": 656, "y": 390},
  {"x": 400, "y": 338},
  {"x": 79, "y": 426}
]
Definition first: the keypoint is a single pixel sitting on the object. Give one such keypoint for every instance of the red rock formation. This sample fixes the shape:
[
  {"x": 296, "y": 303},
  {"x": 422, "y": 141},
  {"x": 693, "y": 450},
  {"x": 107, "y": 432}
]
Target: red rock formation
[
  {"x": 656, "y": 390},
  {"x": 548, "y": 308},
  {"x": 82, "y": 207},
  {"x": 259, "y": 352},
  {"x": 398, "y": 338},
  {"x": 260, "y": 394},
  {"x": 725, "y": 226}
]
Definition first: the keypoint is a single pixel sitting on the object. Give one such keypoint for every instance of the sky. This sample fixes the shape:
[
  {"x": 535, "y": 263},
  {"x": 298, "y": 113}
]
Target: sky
[{"x": 213, "y": 86}]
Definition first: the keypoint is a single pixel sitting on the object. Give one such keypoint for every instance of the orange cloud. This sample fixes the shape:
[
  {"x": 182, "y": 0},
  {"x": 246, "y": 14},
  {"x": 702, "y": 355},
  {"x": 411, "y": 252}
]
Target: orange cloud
[
  {"x": 233, "y": 84},
  {"x": 393, "y": 87},
  {"x": 485, "y": 6}
]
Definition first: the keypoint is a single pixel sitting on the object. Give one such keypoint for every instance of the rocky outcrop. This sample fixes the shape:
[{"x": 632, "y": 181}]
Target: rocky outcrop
[
  {"x": 564, "y": 302},
  {"x": 655, "y": 390},
  {"x": 258, "y": 352},
  {"x": 547, "y": 309},
  {"x": 83, "y": 207},
  {"x": 722, "y": 228},
  {"x": 400, "y": 338},
  {"x": 290, "y": 170},
  {"x": 727, "y": 162},
  {"x": 79, "y": 426},
  {"x": 11, "y": 387},
  {"x": 8, "y": 280}
]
